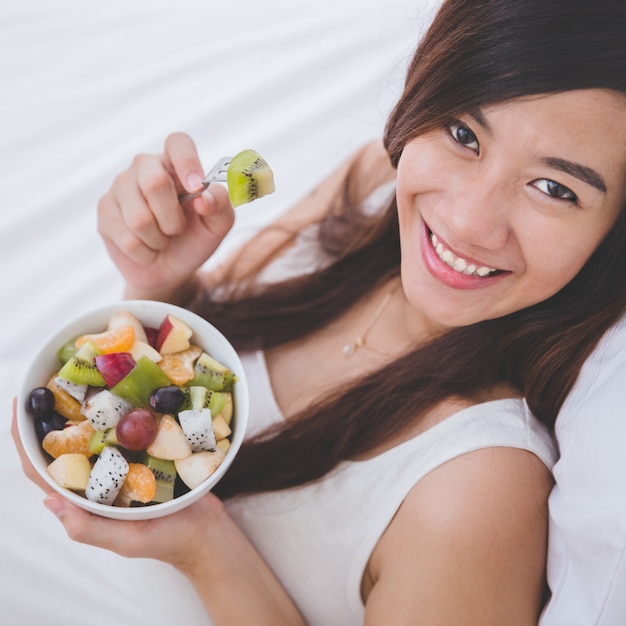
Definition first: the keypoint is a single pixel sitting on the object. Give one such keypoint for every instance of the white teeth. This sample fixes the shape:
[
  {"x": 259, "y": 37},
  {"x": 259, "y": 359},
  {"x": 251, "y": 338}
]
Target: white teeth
[
  {"x": 448, "y": 258},
  {"x": 460, "y": 265},
  {"x": 457, "y": 263}
]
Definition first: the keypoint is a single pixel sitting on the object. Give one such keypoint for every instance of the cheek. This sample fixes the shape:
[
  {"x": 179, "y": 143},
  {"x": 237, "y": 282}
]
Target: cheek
[
  {"x": 550, "y": 264},
  {"x": 420, "y": 166},
  {"x": 418, "y": 179}
]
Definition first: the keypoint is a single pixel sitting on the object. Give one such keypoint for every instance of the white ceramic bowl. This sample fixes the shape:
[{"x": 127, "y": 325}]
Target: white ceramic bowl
[{"x": 45, "y": 363}]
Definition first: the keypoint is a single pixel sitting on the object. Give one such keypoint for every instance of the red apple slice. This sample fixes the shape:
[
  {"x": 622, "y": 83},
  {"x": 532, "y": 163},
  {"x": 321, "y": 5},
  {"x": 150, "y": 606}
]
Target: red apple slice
[
  {"x": 114, "y": 366},
  {"x": 152, "y": 335},
  {"x": 173, "y": 336}
]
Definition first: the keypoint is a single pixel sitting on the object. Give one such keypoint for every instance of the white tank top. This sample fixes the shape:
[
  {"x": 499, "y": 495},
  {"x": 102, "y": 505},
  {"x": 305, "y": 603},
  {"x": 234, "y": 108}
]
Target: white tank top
[{"x": 318, "y": 538}]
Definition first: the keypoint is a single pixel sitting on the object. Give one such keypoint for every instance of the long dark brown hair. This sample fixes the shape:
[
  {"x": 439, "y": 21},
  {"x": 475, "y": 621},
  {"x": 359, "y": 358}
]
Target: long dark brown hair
[{"x": 476, "y": 52}]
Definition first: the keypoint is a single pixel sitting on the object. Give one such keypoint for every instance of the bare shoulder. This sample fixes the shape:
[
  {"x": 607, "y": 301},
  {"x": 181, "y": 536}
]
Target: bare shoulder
[
  {"x": 367, "y": 168},
  {"x": 467, "y": 546}
]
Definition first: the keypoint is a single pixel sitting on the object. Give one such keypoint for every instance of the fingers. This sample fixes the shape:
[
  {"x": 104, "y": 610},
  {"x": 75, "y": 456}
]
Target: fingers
[
  {"x": 141, "y": 212},
  {"x": 123, "y": 537},
  {"x": 181, "y": 154},
  {"x": 143, "y": 539},
  {"x": 215, "y": 204}
]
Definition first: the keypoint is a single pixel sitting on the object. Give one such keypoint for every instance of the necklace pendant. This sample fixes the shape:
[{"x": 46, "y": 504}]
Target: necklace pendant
[{"x": 350, "y": 348}]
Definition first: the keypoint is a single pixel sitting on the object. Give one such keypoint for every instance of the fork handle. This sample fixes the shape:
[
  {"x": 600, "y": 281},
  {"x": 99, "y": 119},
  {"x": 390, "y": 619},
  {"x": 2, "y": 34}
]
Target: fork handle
[{"x": 190, "y": 196}]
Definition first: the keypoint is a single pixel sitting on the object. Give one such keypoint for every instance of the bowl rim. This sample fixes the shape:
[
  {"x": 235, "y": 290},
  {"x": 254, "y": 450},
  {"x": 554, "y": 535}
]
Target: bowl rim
[{"x": 147, "y": 311}]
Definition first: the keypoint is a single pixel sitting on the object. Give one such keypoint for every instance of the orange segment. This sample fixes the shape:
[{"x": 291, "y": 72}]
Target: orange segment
[
  {"x": 139, "y": 486},
  {"x": 118, "y": 339},
  {"x": 179, "y": 366},
  {"x": 73, "y": 439},
  {"x": 64, "y": 404}
]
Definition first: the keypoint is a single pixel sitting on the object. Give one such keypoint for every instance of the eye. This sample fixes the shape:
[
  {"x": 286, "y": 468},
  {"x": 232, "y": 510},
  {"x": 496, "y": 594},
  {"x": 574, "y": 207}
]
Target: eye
[
  {"x": 464, "y": 135},
  {"x": 555, "y": 190}
]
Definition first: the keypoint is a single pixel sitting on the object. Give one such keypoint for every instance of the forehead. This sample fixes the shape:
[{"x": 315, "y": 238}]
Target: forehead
[{"x": 579, "y": 113}]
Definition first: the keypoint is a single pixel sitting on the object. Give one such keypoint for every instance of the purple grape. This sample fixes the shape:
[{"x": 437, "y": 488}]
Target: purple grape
[
  {"x": 167, "y": 399},
  {"x": 136, "y": 429},
  {"x": 44, "y": 425},
  {"x": 40, "y": 402}
]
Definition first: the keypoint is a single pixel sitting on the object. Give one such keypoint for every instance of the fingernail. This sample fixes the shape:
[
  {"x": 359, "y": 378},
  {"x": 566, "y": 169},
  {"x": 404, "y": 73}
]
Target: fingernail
[
  {"x": 54, "y": 504},
  {"x": 194, "y": 181}
]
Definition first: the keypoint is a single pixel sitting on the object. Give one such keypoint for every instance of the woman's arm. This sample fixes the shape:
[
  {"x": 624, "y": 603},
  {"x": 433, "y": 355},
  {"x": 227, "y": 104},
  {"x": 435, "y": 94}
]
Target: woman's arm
[
  {"x": 467, "y": 547},
  {"x": 204, "y": 544},
  {"x": 201, "y": 541}
]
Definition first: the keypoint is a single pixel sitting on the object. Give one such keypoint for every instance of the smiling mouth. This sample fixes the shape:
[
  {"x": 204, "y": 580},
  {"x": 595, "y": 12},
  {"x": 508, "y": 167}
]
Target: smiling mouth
[{"x": 458, "y": 263}]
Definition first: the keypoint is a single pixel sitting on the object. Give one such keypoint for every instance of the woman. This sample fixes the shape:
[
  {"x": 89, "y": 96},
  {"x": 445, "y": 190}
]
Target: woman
[{"x": 399, "y": 326}]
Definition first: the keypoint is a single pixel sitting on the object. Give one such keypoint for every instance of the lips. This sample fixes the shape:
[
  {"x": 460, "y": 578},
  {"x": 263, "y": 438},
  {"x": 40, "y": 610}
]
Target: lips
[{"x": 453, "y": 270}]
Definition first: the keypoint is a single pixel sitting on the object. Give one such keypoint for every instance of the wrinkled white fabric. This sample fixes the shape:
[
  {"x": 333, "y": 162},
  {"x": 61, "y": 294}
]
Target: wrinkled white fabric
[{"x": 587, "y": 548}]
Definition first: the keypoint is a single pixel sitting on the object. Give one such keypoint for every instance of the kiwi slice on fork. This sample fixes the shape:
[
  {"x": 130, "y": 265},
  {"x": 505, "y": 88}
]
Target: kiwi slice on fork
[{"x": 249, "y": 177}]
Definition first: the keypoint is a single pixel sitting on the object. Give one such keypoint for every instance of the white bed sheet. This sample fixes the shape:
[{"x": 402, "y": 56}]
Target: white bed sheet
[{"x": 86, "y": 86}]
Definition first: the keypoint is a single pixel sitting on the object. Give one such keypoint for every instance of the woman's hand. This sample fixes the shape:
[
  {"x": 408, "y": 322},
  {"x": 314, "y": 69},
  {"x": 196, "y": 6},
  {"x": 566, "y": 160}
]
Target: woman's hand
[
  {"x": 201, "y": 541},
  {"x": 132, "y": 538},
  {"x": 156, "y": 243}
]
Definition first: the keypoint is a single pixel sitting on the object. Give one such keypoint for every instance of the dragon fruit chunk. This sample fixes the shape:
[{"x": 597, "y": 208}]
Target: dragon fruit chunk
[
  {"x": 104, "y": 409},
  {"x": 197, "y": 425},
  {"x": 76, "y": 390},
  {"x": 107, "y": 476}
]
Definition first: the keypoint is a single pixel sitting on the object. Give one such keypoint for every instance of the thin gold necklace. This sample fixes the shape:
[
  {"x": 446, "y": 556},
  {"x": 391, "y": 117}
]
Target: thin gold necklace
[{"x": 358, "y": 342}]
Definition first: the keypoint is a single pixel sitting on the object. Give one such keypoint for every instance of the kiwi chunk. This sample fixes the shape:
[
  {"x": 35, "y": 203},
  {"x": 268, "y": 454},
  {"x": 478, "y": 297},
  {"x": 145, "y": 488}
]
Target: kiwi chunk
[
  {"x": 165, "y": 475},
  {"x": 101, "y": 438},
  {"x": 249, "y": 177},
  {"x": 67, "y": 351},
  {"x": 212, "y": 374},
  {"x": 81, "y": 368},
  {"x": 199, "y": 397},
  {"x": 140, "y": 382}
]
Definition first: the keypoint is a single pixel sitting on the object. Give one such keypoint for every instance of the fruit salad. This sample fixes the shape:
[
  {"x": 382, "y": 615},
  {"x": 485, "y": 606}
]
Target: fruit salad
[{"x": 134, "y": 415}]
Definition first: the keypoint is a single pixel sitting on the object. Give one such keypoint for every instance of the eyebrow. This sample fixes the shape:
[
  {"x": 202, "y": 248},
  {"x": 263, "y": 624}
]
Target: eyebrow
[{"x": 582, "y": 172}]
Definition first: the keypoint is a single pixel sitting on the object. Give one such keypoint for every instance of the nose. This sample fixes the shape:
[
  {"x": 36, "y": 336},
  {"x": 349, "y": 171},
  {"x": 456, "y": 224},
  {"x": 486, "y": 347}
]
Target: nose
[{"x": 477, "y": 209}]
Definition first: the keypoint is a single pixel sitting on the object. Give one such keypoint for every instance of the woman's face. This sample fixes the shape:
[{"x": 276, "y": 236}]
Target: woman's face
[{"x": 502, "y": 208}]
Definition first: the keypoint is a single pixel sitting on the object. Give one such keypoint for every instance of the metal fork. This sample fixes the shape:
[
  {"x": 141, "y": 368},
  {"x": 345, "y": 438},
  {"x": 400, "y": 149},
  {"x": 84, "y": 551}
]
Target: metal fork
[{"x": 217, "y": 174}]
